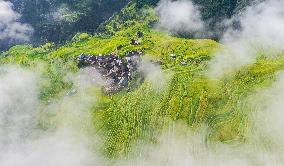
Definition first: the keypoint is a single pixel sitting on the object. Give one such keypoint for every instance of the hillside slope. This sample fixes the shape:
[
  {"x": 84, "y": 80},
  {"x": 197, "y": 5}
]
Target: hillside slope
[
  {"x": 58, "y": 20},
  {"x": 188, "y": 95}
]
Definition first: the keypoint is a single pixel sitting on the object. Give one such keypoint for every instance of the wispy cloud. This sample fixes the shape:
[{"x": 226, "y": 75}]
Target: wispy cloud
[
  {"x": 10, "y": 26},
  {"x": 32, "y": 133},
  {"x": 179, "y": 16},
  {"x": 261, "y": 28}
]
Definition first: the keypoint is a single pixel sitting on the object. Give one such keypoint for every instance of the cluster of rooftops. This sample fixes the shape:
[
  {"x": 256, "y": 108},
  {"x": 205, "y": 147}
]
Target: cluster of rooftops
[{"x": 116, "y": 71}]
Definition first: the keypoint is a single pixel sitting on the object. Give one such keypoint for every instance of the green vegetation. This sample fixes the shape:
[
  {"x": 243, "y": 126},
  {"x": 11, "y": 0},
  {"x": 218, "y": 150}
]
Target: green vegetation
[
  {"x": 59, "y": 20},
  {"x": 190, "y": 97}
]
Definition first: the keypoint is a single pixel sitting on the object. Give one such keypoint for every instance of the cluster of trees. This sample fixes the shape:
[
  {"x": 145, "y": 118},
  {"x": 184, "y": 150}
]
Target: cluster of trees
[
  {"x": 59, "y": 20},
  {"x": 211, "y": 9},
  {"x": 141, "y": 3},
  {"x": 213, "y": 12}
]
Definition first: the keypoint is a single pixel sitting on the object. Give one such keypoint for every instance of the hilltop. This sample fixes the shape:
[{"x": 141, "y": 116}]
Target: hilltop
[{"x": 59, "y": 20}]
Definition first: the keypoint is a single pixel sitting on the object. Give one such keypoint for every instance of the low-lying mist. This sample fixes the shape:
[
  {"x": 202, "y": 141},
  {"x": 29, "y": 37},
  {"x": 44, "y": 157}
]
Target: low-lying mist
[
  {"x": 179, "y": 145},
  {"x": 179, "y": 16},
  {"x": 61, "y": 132},
  {"x": 49, "y": 135},
  {"x": 260, "y": 32},
  {"x": 10, "y": 27}
]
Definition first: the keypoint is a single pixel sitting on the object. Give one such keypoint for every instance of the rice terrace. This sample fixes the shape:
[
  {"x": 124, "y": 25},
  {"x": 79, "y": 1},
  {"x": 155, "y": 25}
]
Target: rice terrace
[{"x": 141, "y": 83}]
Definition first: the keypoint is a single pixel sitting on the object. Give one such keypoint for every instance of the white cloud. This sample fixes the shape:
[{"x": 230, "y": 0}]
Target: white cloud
[
  {"x": 10, "y": 27},
  {"x": 181, "y": 146},
  {"x": 179, "y": 16},
  {"x": 262, "y": 29},
  {"x": 64, "y": 13},
  {"x": 65, "y": 139},
  {"x": 154, "y": 74}
]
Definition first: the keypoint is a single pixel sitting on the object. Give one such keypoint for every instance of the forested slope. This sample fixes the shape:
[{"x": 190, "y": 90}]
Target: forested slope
[{"x": 59, "y": 20}]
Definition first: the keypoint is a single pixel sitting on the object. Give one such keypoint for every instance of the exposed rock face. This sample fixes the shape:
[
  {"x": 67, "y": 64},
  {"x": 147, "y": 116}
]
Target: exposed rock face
[{"x": 116, "y": 71}]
